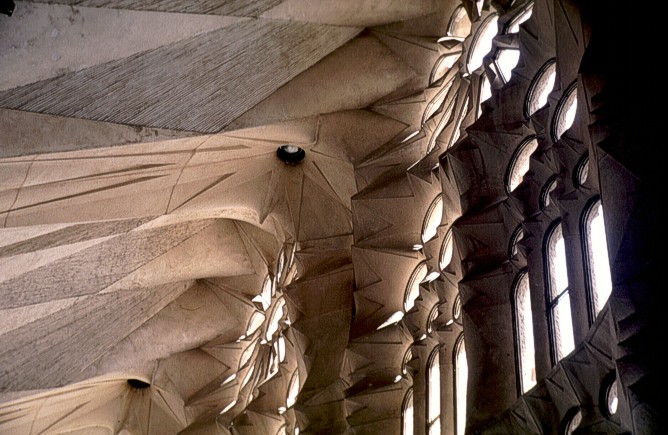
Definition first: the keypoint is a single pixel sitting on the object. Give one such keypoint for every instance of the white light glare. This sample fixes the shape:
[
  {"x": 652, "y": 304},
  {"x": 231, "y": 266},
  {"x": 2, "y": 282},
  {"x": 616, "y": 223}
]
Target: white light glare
[{"x": 394, "y": 318}]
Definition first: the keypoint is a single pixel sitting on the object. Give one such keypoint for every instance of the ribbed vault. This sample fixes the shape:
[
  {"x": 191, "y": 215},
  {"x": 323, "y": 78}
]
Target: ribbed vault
[{"x": 162, "y": 270}]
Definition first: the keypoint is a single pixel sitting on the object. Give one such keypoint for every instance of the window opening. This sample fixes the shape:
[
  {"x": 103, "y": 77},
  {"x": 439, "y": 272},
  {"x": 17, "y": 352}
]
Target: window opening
[
  {"x": 446, "y": 250},
  {"x": 524, "y": 332},
  {"x": 485, "y": 92},
  {"x": 520, "y": 163},
  {"x": 413, "y": 287},
  {"x": 611, "y": 398},
  {"x": 574, "y": 418},
  {"x": 407, "y": 413},
  {"x": 293, "y": 390},
  {"x": 565, "y": 112},
  {"x": 460, "y": 24},
  {"x": 514, "y": 25},
  {"x": 581, "y": 172},
  {"x": 540, "y": 87},
  {"x": 518, "y": 235},
  {"x": 461, "y": 378},
  {"x": 482, "y": 42},
  {"x": 433, "y": 314},
  {"x": 434, "y": 393},
  {"x": 457, "y": 310},
  {"x": 597, "y": 263},
  {"x": 432, "y": 219},
  {"x": 548, "y": 188},
  {"x": 559, "y": 303}
]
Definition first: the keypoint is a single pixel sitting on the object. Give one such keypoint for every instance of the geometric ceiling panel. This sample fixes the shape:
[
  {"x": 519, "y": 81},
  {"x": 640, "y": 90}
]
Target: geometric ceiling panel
[
  {"x": 209, "y": 71},
  {"x": 60, "y": 134},
  {"x": 43, "y": 41},
  {"x": 360, "y": 62}
]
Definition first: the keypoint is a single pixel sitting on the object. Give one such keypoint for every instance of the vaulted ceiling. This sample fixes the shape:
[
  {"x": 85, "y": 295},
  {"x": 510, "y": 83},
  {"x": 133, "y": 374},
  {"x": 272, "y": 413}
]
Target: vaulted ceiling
[
  {"x": 163, "y": 271},
  {"x": 151, "y": 233}
]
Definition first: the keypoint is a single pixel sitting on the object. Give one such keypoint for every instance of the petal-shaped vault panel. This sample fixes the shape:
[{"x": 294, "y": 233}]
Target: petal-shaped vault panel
[
  {"x": 59, "y": 133},
  {"x": 359, "y": 62},
  {"x": 56, "y": 349},
  {"x": 65, "y": 38},
  {"x": 208, "y": 71}
]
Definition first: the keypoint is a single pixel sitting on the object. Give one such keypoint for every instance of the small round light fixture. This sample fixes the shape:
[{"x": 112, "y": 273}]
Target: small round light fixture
[
  {"x": 290, "y": 154},
  {"x": 139, "y": 384}
]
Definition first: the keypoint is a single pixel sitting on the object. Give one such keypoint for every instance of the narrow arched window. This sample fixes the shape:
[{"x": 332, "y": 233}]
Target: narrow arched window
[
  {"x": 482, "y": 42},
  {"x": 413, "y": 286},
  {"x": 507, "y": 58},
  {"x": 293, "y": 390},
  {"x": 517, "y": 235},
  {"x": 611, "y": 398},
  {"x": 432, "y": 219},
  {"x": 407, "y": 413},
  {"x": 564, "y": 115},
  {"x": 408, "y": 357},
  {"x": 446, "y": 250},
  {"x": 461, "y": 378},
  {"x": 457, "y": 310},
  {"x": 434, "y": 393},
  {"x": 540, "y": 87},
  {"x": 485, "y": 92},
  {"x": 581, "y": 171},
  {"x": 558, "y": 300},
  {"x": 460, "y": 24},
  {"x": 519, "y": 163},
  {"x": 597, "y": 264},
  {"x": 521, "y": 16},
  {"x": 524, "y": 343},
  {"x": 571, "y": 421}
]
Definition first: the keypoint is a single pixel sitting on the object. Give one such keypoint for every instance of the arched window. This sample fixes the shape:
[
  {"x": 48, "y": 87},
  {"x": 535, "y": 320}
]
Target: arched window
[
  {"x": 558, "y": 300},
  {"x": 413, "y": 287},
  {"x": 524, "y": 332},
  {"x": 432, "y": 219},
  {"x": 446, "y": 250},
  {"x": 519, "y": 163},
  {"x": 408, "y": 357},
  {"x": 434, "y": 393},
  {"x": 436, "y": 104},
  {"x": 540, "y": 87},
  {"x": 293, "y": 390},
  {"x": 597, "y": 264},
  {"x": 460, "y": 24},
  {"x": 521, "y": 16},
  {"x": 571, "y": 421},
  {"x": 433, "y": 314},
  {"x": 407, "y": 413},
  {"x": 546, "y": 190},
  {"x": 581, "y": 171},
  {"x": 485, "y": 92},
  {"x": 506, "y": 58},
  {"x": 611, "y": 398},
  {"x": 441, "y": 68},
  {"x": 461, "y": 378},
  {"x": 565, "y": 112},
  {"x": 482, "y": 42},
  {"x": 457, "y": 310},
  {"x": 517, "y": 235}
]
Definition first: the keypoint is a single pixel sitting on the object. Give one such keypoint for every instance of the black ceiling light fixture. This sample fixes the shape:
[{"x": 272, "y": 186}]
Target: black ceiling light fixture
[
  {"x": 7, "y": 7},
  {"x": 290, "y": 154},
  {"x": 136, "y": 383}
]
